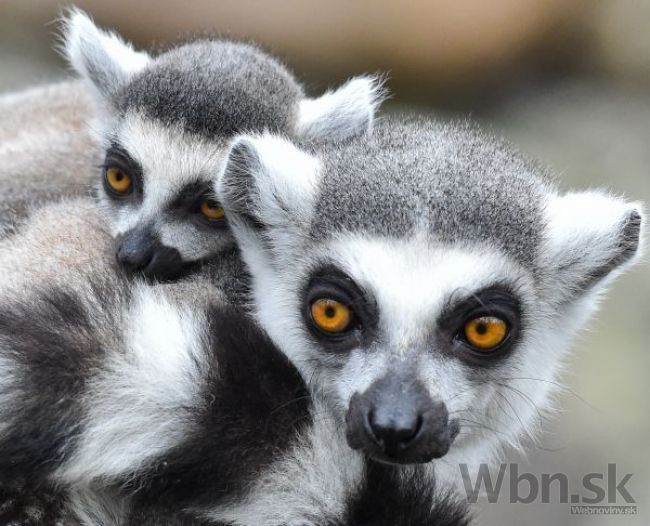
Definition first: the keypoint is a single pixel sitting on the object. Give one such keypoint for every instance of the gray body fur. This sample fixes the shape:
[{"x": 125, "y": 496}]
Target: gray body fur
[
  {"x": 46, "y": 150},
  {"x": 451, "y": 180}
]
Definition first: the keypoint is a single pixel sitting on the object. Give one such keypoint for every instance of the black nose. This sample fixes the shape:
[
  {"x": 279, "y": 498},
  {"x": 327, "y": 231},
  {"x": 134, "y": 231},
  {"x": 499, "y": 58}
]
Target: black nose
[
  {"x": 141, "y": 252},
  {"x": 395, "y": 420},
  {"x": 135, "y": 250},
  {"x": 394, "y": 433}
]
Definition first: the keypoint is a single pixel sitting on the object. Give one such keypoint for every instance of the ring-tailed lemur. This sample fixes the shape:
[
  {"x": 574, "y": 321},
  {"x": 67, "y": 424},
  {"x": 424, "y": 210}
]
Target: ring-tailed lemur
[
  {"x": 149, "y": 404},
  {"x": 164, "y": 124},
  {"x": 427, "y": 280},
  {"x": 414, "y": 278}
]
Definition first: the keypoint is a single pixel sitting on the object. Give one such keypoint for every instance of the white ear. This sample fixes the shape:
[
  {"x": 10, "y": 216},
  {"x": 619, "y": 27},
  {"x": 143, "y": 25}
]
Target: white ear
[
  {"x": 267, "y": 182},
  {"x": 590, "y": 236},
  {"x": 346, "y": 112},
  {"x": 101, "y": 56}
]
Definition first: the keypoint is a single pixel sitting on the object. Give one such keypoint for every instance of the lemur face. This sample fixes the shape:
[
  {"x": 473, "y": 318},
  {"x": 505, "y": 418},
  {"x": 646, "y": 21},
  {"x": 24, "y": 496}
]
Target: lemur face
[
  {"x": 426, "y": 279},
  {"x": 165, "y": 123},
  {"x": 155, "y": 188}
]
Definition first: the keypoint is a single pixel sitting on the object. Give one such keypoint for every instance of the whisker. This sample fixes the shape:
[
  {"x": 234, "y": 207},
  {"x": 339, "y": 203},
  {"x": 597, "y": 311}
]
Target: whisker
[{"x": 554, "y": 383}]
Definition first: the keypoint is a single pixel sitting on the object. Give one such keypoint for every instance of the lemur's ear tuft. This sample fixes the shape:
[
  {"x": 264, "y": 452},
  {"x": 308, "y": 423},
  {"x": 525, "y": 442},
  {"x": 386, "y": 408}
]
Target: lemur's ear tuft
[
  {"x": 267, "y": 182},
  {"x": 591, "y": 236},
  {"x": 343, "y": 113},
  {"x": 100, "y": 56}
]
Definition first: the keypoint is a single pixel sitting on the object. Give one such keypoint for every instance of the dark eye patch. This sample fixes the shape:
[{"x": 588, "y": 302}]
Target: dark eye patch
[
  {"x": 187, "y": 204},
  {"x": 329, "y": 282},
  {"x": 497, "y": 301},
  {"x": 118, "y": 157}
]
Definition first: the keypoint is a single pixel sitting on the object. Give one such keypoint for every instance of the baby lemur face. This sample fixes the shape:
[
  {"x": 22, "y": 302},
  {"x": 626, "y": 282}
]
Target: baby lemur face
[
  {"x": 427, "y": 279},
  {"x": 155, "y": 189},
  {"x": 165, "y": 124}
]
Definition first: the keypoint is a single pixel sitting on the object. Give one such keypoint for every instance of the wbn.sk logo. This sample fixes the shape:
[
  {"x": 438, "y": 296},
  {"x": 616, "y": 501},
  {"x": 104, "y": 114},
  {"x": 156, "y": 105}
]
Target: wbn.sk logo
[{"x": 597, "y": 489}]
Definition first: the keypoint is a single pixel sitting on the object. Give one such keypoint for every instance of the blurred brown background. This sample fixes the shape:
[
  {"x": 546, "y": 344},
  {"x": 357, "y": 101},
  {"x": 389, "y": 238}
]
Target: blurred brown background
[{"x": 568, "y": 80}]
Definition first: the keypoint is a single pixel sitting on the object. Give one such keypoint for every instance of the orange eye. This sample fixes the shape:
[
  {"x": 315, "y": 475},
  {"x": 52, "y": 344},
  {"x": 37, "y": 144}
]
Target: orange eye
[
  {"x": 212, "y": 210},
  {"x": 118, "y": 181},
  {"x": 485, "y": 332},
  {"x": 330, "y": 315}
]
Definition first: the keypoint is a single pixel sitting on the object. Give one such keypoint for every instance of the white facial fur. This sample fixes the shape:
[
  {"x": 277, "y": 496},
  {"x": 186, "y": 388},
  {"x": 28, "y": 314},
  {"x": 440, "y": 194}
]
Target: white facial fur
[
  {"x": 171, "y": 159},
  {"x": 584, "y": 245},
  {"x": 411, "y": 281}
]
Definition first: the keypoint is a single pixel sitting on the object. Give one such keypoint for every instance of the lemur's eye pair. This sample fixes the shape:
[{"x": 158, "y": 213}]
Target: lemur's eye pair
[
  {"x": 340, "y": 315},
  {"x": 118, "y": 180},
  {"x": 484, "y": 333},
  {"x": 211, "y": 210}
]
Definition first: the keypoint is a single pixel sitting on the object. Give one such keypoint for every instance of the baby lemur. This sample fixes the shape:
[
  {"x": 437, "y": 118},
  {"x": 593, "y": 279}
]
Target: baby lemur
[
  {"x": 414, "y": 278},
  {"x": 165, "y": 122},
  {"x": 158, "y": 126}
]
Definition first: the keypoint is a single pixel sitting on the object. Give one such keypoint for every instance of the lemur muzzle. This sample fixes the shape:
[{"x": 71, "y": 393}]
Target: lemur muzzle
[
  {"x": 140, "y": 251},
  {"x": 396, "y": 420}
]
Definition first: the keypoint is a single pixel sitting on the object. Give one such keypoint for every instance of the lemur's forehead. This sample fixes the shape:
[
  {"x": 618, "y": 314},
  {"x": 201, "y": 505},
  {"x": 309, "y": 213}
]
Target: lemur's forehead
[
  {"x": 170, "y": 156},
  {"x": 450, "y": 181},
  {"x": 215, "y": 88},
  {"x": 414, "y": 280}
]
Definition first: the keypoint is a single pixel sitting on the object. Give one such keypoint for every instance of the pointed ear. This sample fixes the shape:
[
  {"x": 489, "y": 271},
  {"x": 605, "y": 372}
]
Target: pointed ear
[
  {"x": 591, "y": 236},
  {"x": 100, "y": 56},
  {"x": 267, "y": 183},
  {"x": 346, "y": 112}
]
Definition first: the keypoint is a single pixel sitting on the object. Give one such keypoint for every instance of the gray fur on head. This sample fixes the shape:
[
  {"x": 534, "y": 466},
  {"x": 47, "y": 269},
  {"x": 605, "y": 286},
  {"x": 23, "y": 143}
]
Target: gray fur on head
[
  {"x": 452, "y": 180},
  {"x": 170, "y": 117},
  {"x": 423, "y": 219},
  {"x": 215, "y": 87}
]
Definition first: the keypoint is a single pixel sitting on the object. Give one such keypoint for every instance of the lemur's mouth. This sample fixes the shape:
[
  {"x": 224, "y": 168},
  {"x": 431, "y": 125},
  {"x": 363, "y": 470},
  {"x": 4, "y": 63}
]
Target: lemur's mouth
[
  {"x": 422, "y": 455},
  {"x": 143, "y": 254},
  {"x": 396, "y": 422}
]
